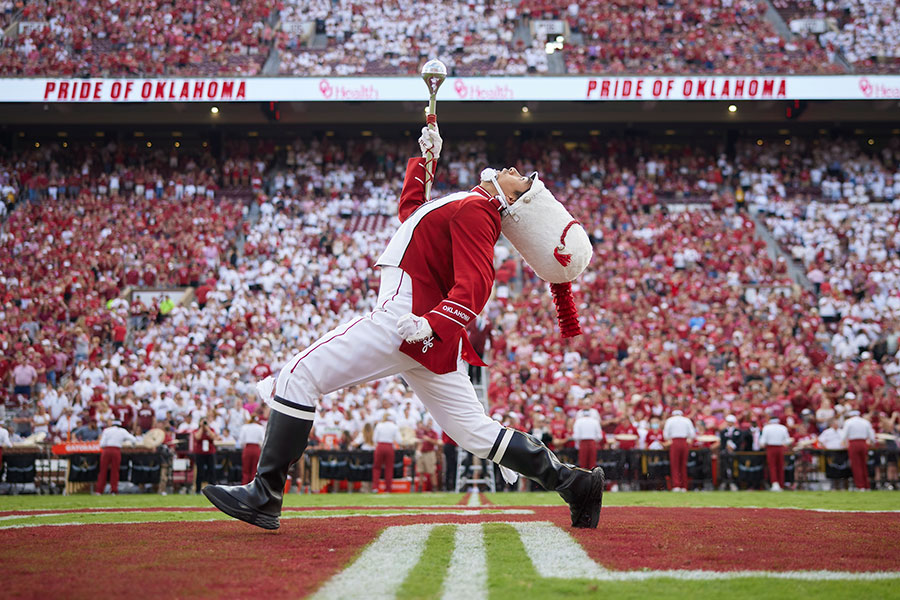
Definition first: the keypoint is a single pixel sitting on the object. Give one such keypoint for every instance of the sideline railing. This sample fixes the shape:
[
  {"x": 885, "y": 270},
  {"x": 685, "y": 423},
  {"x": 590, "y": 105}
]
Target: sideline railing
[{"x": 36, "y": 469}]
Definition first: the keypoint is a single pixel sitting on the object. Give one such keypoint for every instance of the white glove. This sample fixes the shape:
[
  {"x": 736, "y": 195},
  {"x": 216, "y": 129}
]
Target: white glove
[
  {"x": 265, "y": 389},
  {"x": 413, "y": 329},
  {"x": 430, "y": 140}
]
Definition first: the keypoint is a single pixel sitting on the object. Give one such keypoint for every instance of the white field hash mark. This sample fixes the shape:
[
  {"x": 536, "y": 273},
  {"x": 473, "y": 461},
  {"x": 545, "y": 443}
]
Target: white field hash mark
[{"x": 381, "y": 569}]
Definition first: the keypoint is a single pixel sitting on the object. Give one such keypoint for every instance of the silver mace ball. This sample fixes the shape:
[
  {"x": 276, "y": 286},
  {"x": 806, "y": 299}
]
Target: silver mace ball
[{"x": 434, "y": 72}]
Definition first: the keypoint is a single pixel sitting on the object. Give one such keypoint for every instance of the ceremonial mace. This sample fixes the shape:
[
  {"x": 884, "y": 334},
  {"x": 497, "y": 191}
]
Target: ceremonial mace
[{"x": 434, "y": 72}]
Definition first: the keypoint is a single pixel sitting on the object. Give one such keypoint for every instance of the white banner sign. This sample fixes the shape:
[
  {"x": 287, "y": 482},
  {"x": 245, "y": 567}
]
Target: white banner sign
[
  {"x": 298, "y": 28},
  {"x": 543, "y": 28},
  {"x": 29, "y": 26},
  {"x": 804, "y": 26},
  {"x": 393, "y": 89}
]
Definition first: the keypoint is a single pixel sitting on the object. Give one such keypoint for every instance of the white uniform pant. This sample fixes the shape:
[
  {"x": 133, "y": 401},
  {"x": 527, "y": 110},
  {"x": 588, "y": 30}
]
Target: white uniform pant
[{"x": 366, "y": 349}]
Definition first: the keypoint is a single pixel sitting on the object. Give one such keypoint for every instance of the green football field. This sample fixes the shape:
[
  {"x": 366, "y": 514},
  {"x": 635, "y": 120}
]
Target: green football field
[
  {"x": 836, "y": 500},
  {"x": 491, "y": 546}
]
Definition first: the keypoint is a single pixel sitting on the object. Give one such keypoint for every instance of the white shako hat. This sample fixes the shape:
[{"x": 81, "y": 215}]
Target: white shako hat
[{"x": 551, "y": 241}]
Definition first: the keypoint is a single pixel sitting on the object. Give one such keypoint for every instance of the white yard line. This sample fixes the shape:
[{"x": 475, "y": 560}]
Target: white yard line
[
  {"x": 474, "y": 499},
  {"x": 467, "y": 574},
  {"x": 381, "y": 568},
  {"x": 291, "y": 515},
  {"x": 555, "y": 554}
]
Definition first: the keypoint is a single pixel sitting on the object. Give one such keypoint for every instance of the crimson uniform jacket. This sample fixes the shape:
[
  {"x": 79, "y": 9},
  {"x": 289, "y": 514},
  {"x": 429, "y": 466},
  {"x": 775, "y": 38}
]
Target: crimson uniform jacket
[{"x": 446, "y": 246}]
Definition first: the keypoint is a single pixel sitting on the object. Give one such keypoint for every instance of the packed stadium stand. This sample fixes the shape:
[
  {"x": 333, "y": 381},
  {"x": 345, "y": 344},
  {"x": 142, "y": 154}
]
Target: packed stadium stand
[
  {"x": 681, "y": 308},
  {"x": 864, "y": 32},
  {"x": 137, "y": 37},
  {"x": 680, "y": 37},
  {"x": 745, "y": 249},
  {"x": 379, "y": 39}
]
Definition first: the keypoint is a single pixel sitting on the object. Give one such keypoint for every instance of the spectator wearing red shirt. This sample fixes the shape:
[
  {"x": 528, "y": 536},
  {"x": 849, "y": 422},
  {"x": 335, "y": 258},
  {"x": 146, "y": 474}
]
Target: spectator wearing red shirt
[
  {"x": 653, "y": 439},
  {"x": 626, "y": 429},
  {"x": 260, "y": 371},
  {"x": 146, "y": 417},
  {"x": 559, "y": 428}
]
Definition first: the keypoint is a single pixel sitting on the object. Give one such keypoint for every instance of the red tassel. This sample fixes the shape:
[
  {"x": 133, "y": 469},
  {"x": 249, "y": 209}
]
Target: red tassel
[
  {"x": 431, "y": 119},
  {"x": 564, "y": 259},
  {"x": 566, "y": 313}
]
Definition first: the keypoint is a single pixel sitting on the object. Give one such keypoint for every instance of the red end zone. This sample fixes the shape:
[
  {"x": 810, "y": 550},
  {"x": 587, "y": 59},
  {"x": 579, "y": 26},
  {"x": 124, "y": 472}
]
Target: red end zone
[
  {"x": 228, "y": 558},
  {"x": 735, "y": 539}
]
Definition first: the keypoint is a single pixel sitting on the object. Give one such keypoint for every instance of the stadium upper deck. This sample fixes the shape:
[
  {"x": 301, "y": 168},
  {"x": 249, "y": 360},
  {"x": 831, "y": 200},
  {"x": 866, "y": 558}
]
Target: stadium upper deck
[{"x": 185, "y": 38}]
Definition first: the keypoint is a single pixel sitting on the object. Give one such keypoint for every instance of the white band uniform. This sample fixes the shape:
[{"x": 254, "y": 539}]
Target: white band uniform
[{"x": 365, "y": 349}]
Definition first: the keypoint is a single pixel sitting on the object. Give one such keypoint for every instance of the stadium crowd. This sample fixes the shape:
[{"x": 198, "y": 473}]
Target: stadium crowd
[
  {"x": 834, "y": 170},
  {"x": 374, "y": 38},
  {"x": 682, "y": 36},
  {"x": 682, "y": 309},
  {"x": 138, "y": 37},
  {"x": 865, "y": 32}
]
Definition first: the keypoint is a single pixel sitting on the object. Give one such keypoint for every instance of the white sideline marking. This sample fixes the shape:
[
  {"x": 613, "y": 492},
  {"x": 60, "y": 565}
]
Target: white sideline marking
[
  {"x": 873, "y": 511},
  {"x": 555, "y": 554},
  {"x": 467, "y": 573},
  {"x": 124, "y": 509},
  {"x": 382, "y": 567},
  {"x": 26, "y": 525},
  {"x": 291, "y": 515},
  {"x": 474, "y": 499}
]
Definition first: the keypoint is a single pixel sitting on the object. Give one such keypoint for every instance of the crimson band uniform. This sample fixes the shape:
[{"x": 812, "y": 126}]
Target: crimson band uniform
[
  {"x": 678, "y": 429},
  {"x": 111, "y": 456},
  {"x": 437, "y": 274},
  {"x": 385, "y": 435},
  {"x": 250, "y": 438},
  {"x": 858, "y": 433},
  {"x": 438, "y": 265},
  {"x": 775, "y": 437},
  {"x": 587, "y": 434}
]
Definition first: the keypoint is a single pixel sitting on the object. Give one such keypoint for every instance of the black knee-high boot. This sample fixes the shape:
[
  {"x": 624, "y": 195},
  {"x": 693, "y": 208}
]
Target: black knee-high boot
[
  {"x": 580, "y": 488},
  {"x": 259, "y": 502}
]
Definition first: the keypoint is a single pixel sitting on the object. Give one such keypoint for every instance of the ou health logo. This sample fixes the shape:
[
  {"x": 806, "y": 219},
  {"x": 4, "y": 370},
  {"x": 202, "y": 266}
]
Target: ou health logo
[
  {"x": 326, "y": 89},
  {"x": 866, "y": 86},
  {"x": 461, "y": 90}
]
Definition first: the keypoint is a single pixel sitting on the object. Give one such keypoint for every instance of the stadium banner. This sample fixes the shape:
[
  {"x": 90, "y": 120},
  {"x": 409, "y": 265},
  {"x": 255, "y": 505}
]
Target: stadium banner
[
  {"x": 467, "y": 89},
  {"x": 65, "y": 448}
]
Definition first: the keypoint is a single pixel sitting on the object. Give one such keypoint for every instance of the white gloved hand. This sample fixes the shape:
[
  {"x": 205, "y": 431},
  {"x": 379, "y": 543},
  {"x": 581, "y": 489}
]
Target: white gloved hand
[
  {"x": 431, "y": 140},
  {"x": 265, "y": 389},
  {"x": 413, "y": 329}
]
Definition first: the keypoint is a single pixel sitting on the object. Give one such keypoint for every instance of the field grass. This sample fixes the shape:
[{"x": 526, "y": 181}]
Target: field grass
[
  {"x": 86, "y": 501},
  {"x": 832, "y": 500},
  {"x": 511, "y": 571},
  {"x": 513, "y": 576}
]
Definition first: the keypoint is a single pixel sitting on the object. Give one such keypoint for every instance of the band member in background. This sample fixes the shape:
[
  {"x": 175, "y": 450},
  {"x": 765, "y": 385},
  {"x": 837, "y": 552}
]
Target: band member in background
[
  {"x": 111, "y": 455},
  {"x": 858, "y": 434},
  {"x": 250, "y": 440},
  {"x": 678, "y": 431},
  {"x": 775, "y": 437}
]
